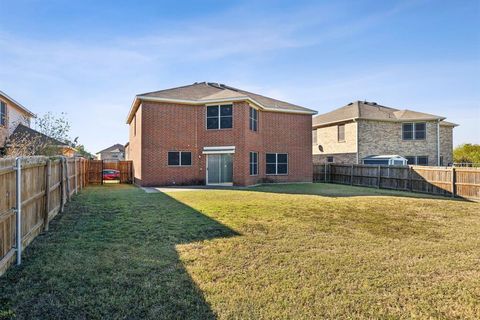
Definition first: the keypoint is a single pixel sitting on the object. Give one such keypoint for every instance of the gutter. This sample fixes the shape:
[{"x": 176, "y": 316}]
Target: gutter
[
  {"x": 211, "y": 101},
  {"x": 438, "y": 142}
]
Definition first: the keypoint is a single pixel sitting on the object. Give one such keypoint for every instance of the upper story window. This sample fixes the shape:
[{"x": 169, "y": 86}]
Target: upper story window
[
  {"x": 135, "y": 125},
  {"x": 314, "y": 137},
  {"x": 276, "y": 163},
  {"x": 179, "y": 158},
  {"x": 414, "y": 131},
  {"x": 253, "y": 119},
  {"x": 220, "y": 117},
  {"x": 341, "y": 132},
  {"x": 3, "y": 113}
]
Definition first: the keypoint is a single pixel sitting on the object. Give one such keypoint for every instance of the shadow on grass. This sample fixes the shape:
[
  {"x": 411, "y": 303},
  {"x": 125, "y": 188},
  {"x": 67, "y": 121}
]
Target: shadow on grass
[{"x": 112, "y": 254}]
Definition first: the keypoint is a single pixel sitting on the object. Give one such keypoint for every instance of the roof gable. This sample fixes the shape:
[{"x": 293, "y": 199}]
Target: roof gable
[
  {"x": 115, "y": 148},
  {"x": 16, "y": 104},
  {"x": 371, "y": 111},
  {"x": 209, "y": 92}
]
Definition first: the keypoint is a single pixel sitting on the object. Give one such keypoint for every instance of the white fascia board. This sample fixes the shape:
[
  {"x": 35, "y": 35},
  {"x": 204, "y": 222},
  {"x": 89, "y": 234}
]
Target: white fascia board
[{"x": 137, "y": 100}]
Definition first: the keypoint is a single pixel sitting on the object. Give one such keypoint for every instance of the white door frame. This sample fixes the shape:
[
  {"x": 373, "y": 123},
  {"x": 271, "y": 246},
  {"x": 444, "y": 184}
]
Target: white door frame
[{"x": 206, "y": 173}]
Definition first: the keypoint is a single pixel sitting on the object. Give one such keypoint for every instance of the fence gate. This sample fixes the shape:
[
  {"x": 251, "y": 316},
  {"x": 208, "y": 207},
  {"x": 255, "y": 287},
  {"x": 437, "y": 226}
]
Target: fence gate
[{"x": 96, "y": 167}]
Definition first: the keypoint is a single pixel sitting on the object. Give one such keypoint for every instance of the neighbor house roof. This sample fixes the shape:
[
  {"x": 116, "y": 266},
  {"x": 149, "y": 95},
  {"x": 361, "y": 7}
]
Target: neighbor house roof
[
  {"x": 115, "y": 148},
  {"x": 24, "y": 132},
  {"x": 16, "y": 104},
  {"x": 208, "y": 92},
  {"x": 373, "y": 111}
]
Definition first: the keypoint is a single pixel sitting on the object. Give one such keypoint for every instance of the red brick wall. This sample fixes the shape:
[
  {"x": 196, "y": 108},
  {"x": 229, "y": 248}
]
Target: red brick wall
[{"x": 176, "y": 127}]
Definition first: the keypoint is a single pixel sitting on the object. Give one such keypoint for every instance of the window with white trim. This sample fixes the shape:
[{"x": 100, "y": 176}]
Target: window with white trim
[
  {"x": 179, "y": 158},
  {"x": 253, "y": 119},
  {"x": 276, "y": 163},
  {"x": 414, "y": 131},
  {"x": 253, "y": 163},
  {"x": 220, "y": 117},
  {"x": 3, "y": 113}
]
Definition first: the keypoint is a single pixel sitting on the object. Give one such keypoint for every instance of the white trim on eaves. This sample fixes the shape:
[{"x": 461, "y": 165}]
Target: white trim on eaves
[{"x": 138, "y": 99}]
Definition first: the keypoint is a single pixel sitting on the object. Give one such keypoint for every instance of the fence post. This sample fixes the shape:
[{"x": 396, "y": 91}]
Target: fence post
[
  {"x": 325, "y": 174},
  {"x": 48, "y": 173},
  {"x": 379, "y": 176},
  {"x": 454, "y": 180},
  {"x": 62, "y": 185},
  {"x": 68, "y": 180},
  {"x": 351, "y": 175},
  {"x": 410, "y": 180},
  {"x": 75, "y": 177},
  {"x": 18, "y": 209}
]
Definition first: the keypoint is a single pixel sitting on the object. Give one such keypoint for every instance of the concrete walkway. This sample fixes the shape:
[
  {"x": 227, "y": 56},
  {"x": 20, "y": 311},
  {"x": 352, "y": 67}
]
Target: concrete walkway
[{"x": 189, "y": 188}]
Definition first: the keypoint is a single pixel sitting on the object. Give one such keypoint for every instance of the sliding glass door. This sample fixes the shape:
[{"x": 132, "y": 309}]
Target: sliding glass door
[{"x": 220, "y": 169}]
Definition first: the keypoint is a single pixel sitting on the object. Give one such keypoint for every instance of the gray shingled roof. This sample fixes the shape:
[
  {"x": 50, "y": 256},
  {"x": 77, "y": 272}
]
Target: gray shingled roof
[
  {"x": 205, "y": 92},
  {"x": 373, "y": 111},
  {"x": 118, "y": 146},
  {"x": 23, "y": 132}
]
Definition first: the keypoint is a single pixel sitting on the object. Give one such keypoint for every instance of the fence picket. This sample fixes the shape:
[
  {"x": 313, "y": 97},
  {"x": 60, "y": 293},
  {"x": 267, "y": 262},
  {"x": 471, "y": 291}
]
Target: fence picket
[{"x": 454, "y": 182}]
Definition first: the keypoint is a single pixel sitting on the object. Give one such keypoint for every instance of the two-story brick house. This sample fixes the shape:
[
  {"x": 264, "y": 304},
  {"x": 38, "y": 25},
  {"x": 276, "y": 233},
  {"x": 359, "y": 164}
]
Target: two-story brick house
[
  {"x": 363, "y": 129},
  {"x": 209, "y": 133},
  {"x": 12, "y": 113}
]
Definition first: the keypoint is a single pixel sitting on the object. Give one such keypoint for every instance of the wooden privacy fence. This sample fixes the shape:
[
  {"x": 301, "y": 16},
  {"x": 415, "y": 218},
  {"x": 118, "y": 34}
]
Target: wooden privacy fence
[
  {"x": 446, "y": 181},
  {"x": 96, "y": 167},
  {"x": 44, "y": 186}
]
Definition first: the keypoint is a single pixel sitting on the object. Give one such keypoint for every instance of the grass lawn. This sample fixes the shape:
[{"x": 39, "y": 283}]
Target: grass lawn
[{"x": 271, "y": 252}]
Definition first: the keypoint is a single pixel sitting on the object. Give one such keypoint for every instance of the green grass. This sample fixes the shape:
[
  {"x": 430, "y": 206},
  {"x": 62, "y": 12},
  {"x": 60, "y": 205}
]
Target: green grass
[{"x": 271, "y": 252}]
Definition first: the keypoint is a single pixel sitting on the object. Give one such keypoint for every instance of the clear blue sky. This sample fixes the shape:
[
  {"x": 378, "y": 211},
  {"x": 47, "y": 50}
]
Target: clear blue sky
[{"x": 89, "y": 58}]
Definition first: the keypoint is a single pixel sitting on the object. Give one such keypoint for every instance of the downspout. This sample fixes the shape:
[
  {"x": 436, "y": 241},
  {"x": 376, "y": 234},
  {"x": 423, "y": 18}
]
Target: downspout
[
  {"x": 438, "y": 142},
  {"x": 356, "y": 128}
]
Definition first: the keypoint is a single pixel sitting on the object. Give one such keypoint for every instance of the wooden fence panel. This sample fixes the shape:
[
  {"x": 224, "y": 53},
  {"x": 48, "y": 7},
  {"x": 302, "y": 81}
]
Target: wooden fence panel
[
  {"x": 43, "y": 194},
  {"x": 467, "y": 182},
  {"x": 461, "y": 182},
  {"x": 97, "y": 167}
]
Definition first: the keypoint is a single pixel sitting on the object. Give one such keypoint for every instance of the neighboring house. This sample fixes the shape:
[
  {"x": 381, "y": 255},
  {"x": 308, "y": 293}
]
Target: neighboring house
[
  {"x": 209, "y": 133},
  {"x": 115, "y": 152},
  {"x": 25, "y": 137},
  {"x": 12, "y": 114},
  {"x": 356, "y": 132}
]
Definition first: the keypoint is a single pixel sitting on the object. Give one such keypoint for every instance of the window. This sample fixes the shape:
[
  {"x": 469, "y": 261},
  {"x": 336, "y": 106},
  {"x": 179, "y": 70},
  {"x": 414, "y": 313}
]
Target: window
[
  {"x": 341, "y": 132},
  {"x": 422, "y": 161},
  {"x": 253, "y": 163},
  {"x": 277, "y": 163},
  {"x": 3, "y": 113},
  {"x": 253, "y": 119},
  {"x": 179, "y": 158},
  {"x": 135, "y": 125},
  {"x": 417, "y": 160},
  {"x": 410, "y": 160},
  {"x": 220, "y": 117},
  {"x": 414, "y": 131},
  {"x": 330, "y": 159},
  {"x": 314, "y": 137}
]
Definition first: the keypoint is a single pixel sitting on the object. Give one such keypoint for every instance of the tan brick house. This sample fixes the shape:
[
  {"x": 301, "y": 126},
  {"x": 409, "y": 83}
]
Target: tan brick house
[
  {"x": 12, "y": 113},
  {"x": 209, "y": 133},
  {"x": 363, "y": 129}
]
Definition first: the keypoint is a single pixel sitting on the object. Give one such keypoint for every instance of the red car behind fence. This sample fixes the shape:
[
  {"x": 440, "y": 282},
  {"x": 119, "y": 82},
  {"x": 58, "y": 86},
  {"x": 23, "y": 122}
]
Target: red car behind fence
[{"x": 111, "y": 174}]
